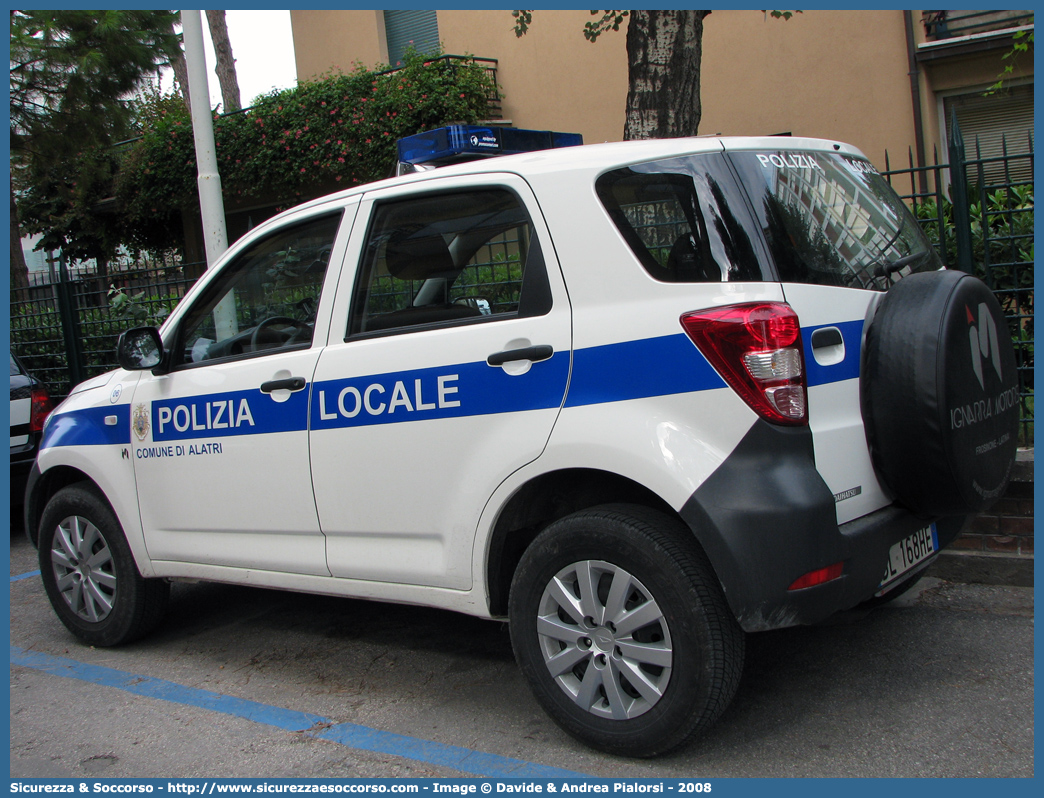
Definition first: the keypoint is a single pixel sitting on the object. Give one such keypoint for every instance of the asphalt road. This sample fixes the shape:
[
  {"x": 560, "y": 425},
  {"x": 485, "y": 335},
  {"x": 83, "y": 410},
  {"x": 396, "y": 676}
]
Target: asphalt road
[{"x": 940, "y": 683}]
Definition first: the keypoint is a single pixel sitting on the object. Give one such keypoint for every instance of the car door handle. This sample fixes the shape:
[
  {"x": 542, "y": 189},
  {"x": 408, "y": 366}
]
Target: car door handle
[
  {"x": 828, "y": 346},
  {"x": 533, "y": 354},
  {"x": 290, "y": 384},
  {"x": 826, "y": 337}
]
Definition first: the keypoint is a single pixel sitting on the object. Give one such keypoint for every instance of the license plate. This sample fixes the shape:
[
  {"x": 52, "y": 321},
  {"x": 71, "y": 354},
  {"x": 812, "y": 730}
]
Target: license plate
[{"x": 908, "y": 553}]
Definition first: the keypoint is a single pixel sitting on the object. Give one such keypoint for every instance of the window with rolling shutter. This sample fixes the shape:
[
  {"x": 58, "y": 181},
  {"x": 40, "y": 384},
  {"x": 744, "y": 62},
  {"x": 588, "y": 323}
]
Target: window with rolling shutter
[
  {"x": 410, "y": 27},
  {"x": 995, "y": 124}
]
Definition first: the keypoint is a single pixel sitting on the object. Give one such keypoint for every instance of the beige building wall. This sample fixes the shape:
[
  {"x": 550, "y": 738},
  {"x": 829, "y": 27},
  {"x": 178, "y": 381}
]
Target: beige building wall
[
  {"x": 551, "y": 79},
  {"x": 826, "y": 74},
  {"x": 334, "y": 41},
  {"x": 840, "y": 75}
]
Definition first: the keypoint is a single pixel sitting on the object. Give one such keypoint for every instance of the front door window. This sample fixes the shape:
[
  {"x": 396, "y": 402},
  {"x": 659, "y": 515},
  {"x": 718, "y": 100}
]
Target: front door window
[{"x": 264, "y": 303}]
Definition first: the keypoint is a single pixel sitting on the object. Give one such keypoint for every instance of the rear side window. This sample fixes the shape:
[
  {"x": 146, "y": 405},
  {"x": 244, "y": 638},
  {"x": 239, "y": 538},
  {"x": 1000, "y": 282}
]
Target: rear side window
[
  {"x": 452, "y": 258},
  {"x": 684, "y": 219},
  {"x": 831, "y": 219}
]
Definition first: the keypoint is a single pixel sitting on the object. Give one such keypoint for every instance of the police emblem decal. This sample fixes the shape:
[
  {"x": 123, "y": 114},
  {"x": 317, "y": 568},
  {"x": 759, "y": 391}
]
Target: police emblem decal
[{"x": 140, "y": 423}]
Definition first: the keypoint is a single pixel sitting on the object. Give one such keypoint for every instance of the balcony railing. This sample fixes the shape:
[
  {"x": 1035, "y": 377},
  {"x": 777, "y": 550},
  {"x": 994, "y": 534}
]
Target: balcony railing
[{"x": 941, "y": 25}]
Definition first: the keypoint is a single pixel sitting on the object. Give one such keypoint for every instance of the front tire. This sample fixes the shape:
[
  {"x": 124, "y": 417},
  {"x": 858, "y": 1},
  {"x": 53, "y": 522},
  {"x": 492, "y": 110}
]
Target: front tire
[
  {"x": 620, "y": 626},
  {"x": 89, "y": 573}
]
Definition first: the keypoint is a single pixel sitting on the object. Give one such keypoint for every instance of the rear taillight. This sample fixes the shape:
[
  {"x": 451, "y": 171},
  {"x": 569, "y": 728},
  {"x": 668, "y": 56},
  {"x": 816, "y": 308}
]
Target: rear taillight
[
  {"x": 756, "y": 348},
  {"x": 819, "y": 577},
  {"x": 41, "y": 408}
]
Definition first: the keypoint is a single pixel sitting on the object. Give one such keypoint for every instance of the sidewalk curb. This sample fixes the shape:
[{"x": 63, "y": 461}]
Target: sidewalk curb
[{"x": 996, "y": 546}]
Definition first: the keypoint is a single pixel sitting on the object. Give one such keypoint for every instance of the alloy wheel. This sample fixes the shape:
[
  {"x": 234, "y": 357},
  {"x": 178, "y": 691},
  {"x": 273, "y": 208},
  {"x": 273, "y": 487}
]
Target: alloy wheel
[
  {"x": 604, "y": 640},
  {"x": 83, "y": 568}
]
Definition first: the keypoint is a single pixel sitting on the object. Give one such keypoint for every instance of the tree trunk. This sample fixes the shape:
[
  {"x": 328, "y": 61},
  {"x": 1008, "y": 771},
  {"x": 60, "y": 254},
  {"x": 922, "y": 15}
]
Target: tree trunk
[
  {"x": 180, "y": 68},
  {"x": 19, "y": 271},
  {"x": 663, "y": 54},
  {"x": 226, "y": 64},
  {"x": 181, "y": 77}
]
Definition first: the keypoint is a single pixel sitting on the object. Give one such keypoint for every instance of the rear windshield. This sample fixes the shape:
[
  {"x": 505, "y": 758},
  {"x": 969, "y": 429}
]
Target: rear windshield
[
  {"x": 831, "y": 219},
  {"x": 827, "y": 219}
]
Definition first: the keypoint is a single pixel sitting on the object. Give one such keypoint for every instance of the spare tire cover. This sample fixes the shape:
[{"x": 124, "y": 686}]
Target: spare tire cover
[{"x": 940, "y": 394}]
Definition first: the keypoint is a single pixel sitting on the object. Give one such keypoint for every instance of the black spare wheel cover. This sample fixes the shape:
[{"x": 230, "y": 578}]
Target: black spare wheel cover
[{"x": 940, "y": 394}]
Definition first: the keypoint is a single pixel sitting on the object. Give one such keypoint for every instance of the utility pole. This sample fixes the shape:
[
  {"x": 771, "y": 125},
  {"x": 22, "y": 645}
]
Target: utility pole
[{"x": 208, "y": 181}]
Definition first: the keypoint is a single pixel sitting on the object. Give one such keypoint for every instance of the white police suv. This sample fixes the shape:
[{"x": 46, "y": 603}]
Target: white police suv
[{"x": 637, "y": 399}]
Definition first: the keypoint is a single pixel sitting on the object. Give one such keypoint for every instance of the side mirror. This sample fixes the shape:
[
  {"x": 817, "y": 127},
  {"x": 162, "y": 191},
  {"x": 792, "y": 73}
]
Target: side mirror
[{"x": 140, "y": 349}]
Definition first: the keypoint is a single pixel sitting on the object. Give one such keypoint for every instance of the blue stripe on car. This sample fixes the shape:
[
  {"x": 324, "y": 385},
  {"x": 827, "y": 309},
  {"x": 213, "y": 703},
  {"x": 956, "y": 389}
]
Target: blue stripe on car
[
  {"x": 87, "y": 427},
  {"x": 638, "y": 370},
  {"x": 624, "y": 371}
]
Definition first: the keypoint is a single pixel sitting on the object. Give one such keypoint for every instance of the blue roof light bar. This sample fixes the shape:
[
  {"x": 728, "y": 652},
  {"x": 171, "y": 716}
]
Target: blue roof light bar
[{"x": 457, "y": 143}]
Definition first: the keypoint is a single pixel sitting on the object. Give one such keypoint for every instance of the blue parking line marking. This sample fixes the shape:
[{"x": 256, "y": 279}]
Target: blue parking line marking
[
  {"x": 29, "y": 575},
  {"x": 476, "y": 763}
]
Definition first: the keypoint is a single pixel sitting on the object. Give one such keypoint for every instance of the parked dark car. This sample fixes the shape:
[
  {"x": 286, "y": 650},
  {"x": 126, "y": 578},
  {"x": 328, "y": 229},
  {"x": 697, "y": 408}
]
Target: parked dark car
[{"x": 30, "y": 405}]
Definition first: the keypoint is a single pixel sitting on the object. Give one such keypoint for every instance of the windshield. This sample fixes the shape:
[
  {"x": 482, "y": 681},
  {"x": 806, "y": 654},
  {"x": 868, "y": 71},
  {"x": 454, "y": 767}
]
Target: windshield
[{"x": 832, "y": 219}]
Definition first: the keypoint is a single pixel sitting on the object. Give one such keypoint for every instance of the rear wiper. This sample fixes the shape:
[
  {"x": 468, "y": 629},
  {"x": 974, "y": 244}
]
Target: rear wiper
[{"x": 890, "y": 268}]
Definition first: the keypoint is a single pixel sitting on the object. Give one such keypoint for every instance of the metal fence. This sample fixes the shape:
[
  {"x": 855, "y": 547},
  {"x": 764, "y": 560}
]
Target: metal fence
[
  {"x": 65, "y": 330},
  {"x": 978, "y": 212}
]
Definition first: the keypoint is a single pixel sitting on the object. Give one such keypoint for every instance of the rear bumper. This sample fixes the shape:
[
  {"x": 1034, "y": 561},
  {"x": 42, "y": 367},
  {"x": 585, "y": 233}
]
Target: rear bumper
[
  {"x": 865, "y": 543},
  {"x": 766, "y": 518}
]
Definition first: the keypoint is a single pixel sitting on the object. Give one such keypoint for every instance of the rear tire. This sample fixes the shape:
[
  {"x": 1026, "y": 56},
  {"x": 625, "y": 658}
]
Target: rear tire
[
  {"x": 89, "y": 573},
  {"x": 620, "y": 626}
]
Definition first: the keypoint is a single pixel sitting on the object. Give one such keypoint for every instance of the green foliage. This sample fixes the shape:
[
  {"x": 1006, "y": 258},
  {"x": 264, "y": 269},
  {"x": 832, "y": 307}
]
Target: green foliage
[
  {"x": 60, "y": 203},
  {"x": 523, "y": 19},
  {"x": 37, "y": 338},
  {"x": 1002, "y": 238},
  {"x": 609, "y": 21},
  {"x": 498, "y": 282},
  {"x": 156, "y": 178},
  {"x": 295, "y": 144},
  {"x": 1022, "y": 40},
  {"x": 72, "y": 70},
  {"x": 151, "y": 105},
  {"x": 137, "y": 310}
]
